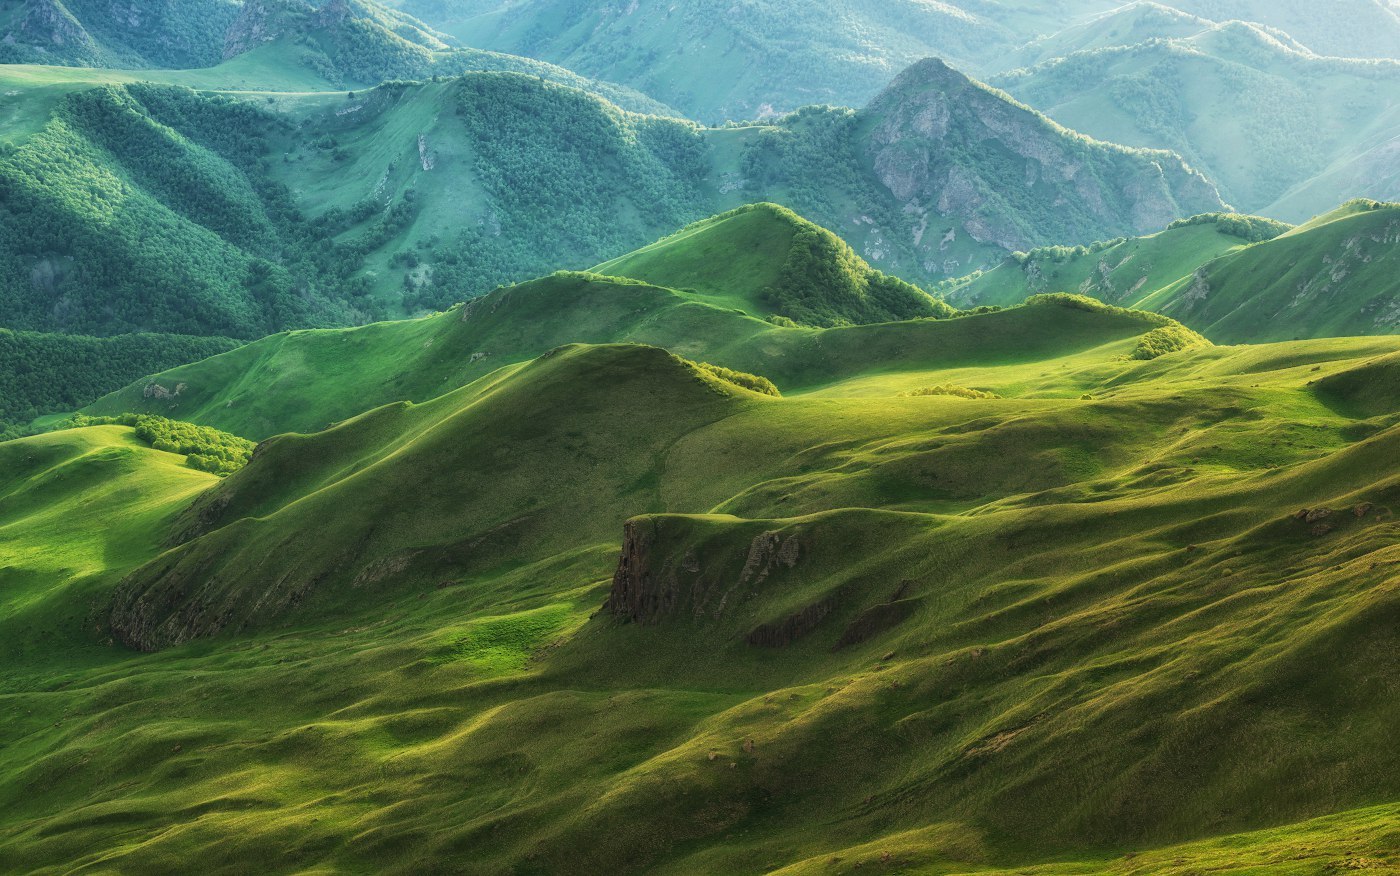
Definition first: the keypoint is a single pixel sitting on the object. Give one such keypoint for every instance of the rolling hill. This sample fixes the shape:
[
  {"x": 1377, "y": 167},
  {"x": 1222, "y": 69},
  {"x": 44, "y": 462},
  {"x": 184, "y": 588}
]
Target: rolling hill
[
  {"x": 769, "y": 262},
  {"x": 54, "y": 373},
  {"x": 1235, "y": 279},
  {"x": 550, "y": 615},
  {"x": 753, "y": 311},
  {"x": 1284, "y": 132}
]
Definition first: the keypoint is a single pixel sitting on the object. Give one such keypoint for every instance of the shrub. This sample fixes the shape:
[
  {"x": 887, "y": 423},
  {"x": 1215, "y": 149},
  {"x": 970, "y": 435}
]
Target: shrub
[
  {"x": 204, "y": 448},
  {"x": 949, "y": 389},
  {"x": 1167, "y": 339},
  {"x": 751, "y": 382}
]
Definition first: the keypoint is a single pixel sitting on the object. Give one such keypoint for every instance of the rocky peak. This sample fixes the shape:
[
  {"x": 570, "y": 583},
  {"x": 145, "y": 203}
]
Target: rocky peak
[{"x": 948, "y": 146}]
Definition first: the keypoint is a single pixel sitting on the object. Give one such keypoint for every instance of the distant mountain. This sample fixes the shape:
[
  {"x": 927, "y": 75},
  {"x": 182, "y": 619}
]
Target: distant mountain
[
  {"x": 306, "y": 45},
  {"x": 1128, "y": 25},
  {"x": 1235, "y": 279},
  {"x": 116, "y": 33},
  {"x": 716, "y": 60},
  {"x": 238, "y": 217},
  {"x": 1344, "y": 28},
  {"x": 973, "y": 170},
  {"x": 1283, "y": 131}
]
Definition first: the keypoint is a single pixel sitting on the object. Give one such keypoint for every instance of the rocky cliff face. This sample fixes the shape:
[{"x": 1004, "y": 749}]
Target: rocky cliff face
[
  {"x": 660, "y": 574},
  {"x": 950, "y": 148},
  {"x": 50, "y": 31},
  {"x": 257, "y": 23}
]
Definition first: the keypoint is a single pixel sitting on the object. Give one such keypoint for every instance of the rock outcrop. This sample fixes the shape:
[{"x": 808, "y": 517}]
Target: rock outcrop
[{"x": 661, "y": 575}]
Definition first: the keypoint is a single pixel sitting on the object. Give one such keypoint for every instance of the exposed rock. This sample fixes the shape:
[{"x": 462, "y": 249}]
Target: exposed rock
[
  {"x": 652, "y": 582},
  {"x": 874, "y": 621},
  {"x": 791, "y": 628}
]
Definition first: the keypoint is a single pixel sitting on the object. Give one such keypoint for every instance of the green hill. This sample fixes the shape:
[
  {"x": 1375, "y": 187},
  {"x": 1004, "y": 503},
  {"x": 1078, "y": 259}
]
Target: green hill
[
  {"x": 76, "y": 508},
  {"x": 1235, "y": 279},
  {"x": 769, "y": 262},
  {"x": 1334, "y": 276},
  {"x": 1284, "y": 132},
  {"x": 848, "y": 623},
  {"x": 296, "y": 382},
  {"x": 1124, "y": 271}
]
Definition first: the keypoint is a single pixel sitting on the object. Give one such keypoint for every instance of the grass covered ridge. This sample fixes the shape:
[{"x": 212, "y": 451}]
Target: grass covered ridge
[{"x": 914, "y": 626}]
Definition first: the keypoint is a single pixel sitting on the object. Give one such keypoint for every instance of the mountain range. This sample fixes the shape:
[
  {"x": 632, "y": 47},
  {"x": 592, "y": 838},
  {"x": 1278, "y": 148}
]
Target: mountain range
[
  {"x": 1283, "y": 131},
  {"x": 239, "y": 218},
  {"x": 771, "y": 437}
]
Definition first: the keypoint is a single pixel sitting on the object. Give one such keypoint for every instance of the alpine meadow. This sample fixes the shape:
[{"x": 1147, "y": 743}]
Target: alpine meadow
[{"x": 698, "y": 438}]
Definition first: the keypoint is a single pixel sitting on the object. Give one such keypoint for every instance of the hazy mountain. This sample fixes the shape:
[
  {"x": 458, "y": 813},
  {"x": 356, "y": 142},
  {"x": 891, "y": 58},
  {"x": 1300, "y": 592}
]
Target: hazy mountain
[
  {"x": 1284, "y": 132},
  {"x": 720, "y": 61}
]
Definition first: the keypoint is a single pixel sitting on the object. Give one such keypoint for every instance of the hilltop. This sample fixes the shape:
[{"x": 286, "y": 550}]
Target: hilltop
[
  {"x": 771, "y": 262},
  {"x": 1341, "y": 28},
  {"x": 1236, "y": 279},
  {"x": 1283, "y": 131}
]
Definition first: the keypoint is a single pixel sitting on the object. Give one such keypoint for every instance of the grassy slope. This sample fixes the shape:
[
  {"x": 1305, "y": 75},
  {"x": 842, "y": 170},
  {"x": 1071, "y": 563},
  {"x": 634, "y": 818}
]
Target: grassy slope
[
  {"x": 78, "y": 508},
  {"x": 1333, "y": 276},
  {"x": 765, "y": 260},
  {"x": 1257, "y": 116},
  {"x": 728, "y": 260},
  {"x": 300, "y": 381},
  {"x": 1122, "y": 274},
  {"x": 1111, "y": 637}
]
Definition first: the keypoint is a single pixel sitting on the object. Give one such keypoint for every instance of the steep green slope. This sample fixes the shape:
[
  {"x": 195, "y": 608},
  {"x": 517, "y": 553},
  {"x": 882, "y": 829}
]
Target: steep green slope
[
  {"x": 1123, "y": 272},
  {"x": 770, "y": 262},
  {"x": 1334, "y": 276},
  {"x": 143, "y": 209},
  {"x": 301, "y": 381},
  {"x": 1255, "y": 114},
  {"x": 77, "y": 509},
  {"x": 898, "y": 632},
  {"x": 93, "y": 33}
]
